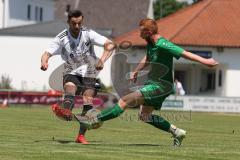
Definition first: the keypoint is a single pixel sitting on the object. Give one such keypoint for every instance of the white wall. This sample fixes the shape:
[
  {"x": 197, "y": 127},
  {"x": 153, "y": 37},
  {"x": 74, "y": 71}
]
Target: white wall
[
  {"x": 150, "y": 10},
  {"x": 1, "y": 14},
  {"x": 16, "y": 11},
  {"x": 20, "y": 59},
  {"x": 231, "y": 57},
  {"x": 229, "y": 64}
]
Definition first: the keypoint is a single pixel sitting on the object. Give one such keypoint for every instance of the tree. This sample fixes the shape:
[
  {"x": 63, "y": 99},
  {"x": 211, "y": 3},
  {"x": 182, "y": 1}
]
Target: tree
[
  {"x": 163, "y": 8},
  {"x": 5, "y": 82}
]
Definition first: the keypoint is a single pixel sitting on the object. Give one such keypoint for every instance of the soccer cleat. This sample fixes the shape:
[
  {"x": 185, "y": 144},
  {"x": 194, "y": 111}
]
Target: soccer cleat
[
  {"x": 87, "y": 122},
  {"x": 178, "y": 137},
  {"x": 62, "y": 113},
  {"x": 81, "y": 139}
]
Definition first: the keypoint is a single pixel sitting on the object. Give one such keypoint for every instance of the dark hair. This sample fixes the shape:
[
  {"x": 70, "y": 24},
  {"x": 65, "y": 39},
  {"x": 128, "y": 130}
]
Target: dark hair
[{"x": 74, "y": 13}]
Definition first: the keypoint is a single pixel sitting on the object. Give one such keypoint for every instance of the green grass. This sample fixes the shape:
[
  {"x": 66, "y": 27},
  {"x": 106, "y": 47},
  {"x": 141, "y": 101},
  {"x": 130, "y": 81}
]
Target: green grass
[{"x": 35, "y": 134}]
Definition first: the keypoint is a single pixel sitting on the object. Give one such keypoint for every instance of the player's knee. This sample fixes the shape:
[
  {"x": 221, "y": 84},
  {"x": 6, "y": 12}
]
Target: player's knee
[
  {"x": 122, "y": 103},
  {"x": 87, "y": 99},
  {"x": 70, "y": 87},
  {"x": 128, "y": 101}
]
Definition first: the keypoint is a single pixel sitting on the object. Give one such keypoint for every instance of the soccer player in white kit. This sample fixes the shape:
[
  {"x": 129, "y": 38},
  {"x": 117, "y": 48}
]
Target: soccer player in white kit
[{"x": 75, "y": 45}]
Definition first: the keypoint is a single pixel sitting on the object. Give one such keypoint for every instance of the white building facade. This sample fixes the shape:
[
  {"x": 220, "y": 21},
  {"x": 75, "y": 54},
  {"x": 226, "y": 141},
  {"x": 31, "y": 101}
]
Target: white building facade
[
  {"x": 219, "y": 81},
  {"x": 23, "y": 12},
  {"x": 196, "y": 78}
]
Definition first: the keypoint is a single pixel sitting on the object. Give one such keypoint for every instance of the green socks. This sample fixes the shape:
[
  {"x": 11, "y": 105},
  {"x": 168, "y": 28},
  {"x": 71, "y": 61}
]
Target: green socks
[
  {"x": 155, "y": 120},
  {"x": 110, "y": 113},
  {"x": 159, "y": 122}
]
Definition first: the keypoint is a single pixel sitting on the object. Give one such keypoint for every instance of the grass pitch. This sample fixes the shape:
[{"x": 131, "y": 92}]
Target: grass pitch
[{"x": 36, "y": 134}]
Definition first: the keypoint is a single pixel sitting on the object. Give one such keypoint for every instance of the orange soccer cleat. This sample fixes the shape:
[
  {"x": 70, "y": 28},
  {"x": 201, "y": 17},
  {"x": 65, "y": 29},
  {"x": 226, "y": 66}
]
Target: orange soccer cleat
[
  {"x": 62, "y": 113},
  {"x": 81, "y": 139}
]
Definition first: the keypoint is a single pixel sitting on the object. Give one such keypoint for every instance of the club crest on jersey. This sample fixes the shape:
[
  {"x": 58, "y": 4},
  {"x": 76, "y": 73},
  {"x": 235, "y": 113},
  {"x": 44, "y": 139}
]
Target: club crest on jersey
[
  {"x": 71, "y": 55},
  {"x": 87, "y": 43}
]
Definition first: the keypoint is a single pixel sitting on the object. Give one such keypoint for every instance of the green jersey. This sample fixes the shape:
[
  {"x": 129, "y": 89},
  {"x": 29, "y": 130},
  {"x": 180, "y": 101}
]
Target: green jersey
[
  {"x": 160, "y": 56},
  {"x": 160, "y": 77}
]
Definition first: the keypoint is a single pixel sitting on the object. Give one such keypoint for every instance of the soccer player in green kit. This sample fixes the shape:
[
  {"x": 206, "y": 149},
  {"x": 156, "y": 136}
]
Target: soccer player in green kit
[{"x": 160, "y": 54}]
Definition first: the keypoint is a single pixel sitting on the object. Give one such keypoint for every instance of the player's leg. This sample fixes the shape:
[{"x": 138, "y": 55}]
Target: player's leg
[
  {"x": 159, "y": 122},
  {"x": 145, "y": 114},
  {"x": 130, "y": 100},
  {"x": 88, "y": 95},
  {"x": 154, "y": 95},
  {"x": 70, "y": 83}
]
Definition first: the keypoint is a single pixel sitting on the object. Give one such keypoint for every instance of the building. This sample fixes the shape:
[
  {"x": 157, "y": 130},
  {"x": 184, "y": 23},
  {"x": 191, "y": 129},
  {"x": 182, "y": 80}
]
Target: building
[
  {"x": 22, "y": 46},
  {"x": 23, "y": 12},
  {"x": 209, "y": 28},
  {"x": 118, "y": 16}
]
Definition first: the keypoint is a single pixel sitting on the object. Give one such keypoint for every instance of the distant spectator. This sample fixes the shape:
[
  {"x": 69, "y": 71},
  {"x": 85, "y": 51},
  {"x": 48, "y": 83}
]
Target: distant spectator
[{"x": 179, "y": 88}]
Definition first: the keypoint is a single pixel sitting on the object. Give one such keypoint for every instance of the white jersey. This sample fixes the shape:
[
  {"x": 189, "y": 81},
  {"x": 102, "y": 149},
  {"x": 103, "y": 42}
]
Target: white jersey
[{"x": 78, "y": 54}]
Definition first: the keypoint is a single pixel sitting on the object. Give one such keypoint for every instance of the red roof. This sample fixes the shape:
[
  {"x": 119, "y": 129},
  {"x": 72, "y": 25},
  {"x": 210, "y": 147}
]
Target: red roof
[{"x": 207, "y": 23}]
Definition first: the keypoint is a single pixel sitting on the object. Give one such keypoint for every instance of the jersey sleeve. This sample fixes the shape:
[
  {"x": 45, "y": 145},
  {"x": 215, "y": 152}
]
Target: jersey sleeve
[
  {"x": 96, "y": 38},
  {"x": 171, "y": 48},
  {"x": 54, "y": 47}
]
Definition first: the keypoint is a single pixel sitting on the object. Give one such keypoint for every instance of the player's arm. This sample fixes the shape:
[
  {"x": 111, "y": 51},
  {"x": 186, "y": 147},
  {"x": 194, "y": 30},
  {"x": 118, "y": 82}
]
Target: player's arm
[
  {"x": 44, "y": 60},
  {"x": 178, "y": 52},
  {"x": 107, "y": 44},
  {"x": 143, "y": 63},
  {"x": 54, "y": 49},
  {"x": 109, "y": 47},
  {"x": 210, "y": 62}
]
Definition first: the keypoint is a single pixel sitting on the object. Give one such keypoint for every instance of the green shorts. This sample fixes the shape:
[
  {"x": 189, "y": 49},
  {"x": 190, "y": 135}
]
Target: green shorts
[{"x": 153, "y": 95}]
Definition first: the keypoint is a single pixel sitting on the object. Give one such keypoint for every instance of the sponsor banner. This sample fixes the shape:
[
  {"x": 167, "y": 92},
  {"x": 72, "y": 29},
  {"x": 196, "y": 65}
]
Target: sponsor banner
[
  {"x": 171, "y": 103},
  {"x": 184, "y": 103},
  {"x": 29, "y": 97},
  {"x": 204, "y": 104},
  {"x": 45, "y": 98}
]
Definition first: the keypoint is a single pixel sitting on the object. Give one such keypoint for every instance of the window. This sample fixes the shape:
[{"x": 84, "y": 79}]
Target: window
[
  {"x": 220, "y": 78},
  {"x": 41, "y": 14},
  {"x": 68, "y": 8},
  {"x": 29, "y": 12},
  {"x": 36, "y": 13},
  {"x": 210, "y": 81}
]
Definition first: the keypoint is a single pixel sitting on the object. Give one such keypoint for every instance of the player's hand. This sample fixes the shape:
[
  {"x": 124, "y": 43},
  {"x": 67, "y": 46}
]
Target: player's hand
[
  {"x": 133, "y": 77},
  {"x": 99, "y": 65},
  {"x": 211, "y": 62},
  {"x": 44, "y": 66}
]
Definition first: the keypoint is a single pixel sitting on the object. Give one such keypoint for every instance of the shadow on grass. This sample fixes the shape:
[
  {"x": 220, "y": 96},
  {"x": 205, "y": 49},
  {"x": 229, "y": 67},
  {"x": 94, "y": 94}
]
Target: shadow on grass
[
  {"x": 55, "y": 140},
  {"x": 124, "y": 144},
  {"x": 100, "y": 143},
  {"x": 63, "y": 141}
]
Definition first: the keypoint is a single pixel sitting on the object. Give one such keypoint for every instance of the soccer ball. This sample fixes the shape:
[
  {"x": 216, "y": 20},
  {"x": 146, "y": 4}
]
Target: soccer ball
[{"x": 92, "y": 113}]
